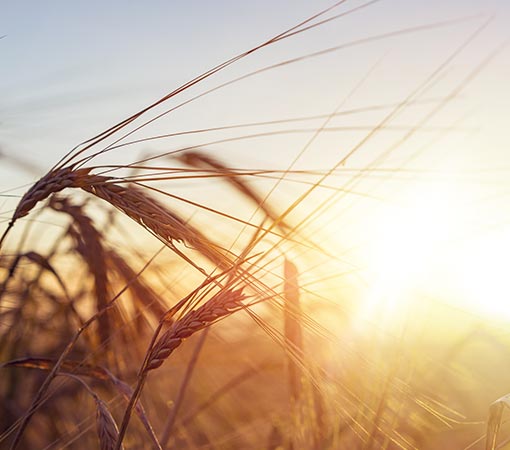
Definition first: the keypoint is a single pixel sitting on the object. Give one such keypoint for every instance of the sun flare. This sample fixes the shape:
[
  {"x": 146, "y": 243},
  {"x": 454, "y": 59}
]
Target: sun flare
[
  {"x": 428, "y": 244},
  {"x": 246, "y": 225}
]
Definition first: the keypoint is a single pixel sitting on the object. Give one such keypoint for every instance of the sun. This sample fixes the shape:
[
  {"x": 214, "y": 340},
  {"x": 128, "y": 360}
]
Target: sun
[
  {"x": 476, "y": 273},
  {"x": 429, "y": 244}
]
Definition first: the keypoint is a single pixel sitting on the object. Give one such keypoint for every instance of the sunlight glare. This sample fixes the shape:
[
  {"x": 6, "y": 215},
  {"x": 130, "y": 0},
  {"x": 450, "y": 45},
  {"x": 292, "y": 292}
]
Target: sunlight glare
[
  {"x": 407, "y": 240},
  {"x": 430, "y": 245}
]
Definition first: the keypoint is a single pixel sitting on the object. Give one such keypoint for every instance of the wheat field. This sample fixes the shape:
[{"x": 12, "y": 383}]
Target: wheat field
[{"x": 229, "y": 225}]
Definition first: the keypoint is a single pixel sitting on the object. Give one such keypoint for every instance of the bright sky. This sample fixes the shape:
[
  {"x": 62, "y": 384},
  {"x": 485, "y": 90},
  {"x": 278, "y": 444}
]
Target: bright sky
[{"x": 72, "y": 69}]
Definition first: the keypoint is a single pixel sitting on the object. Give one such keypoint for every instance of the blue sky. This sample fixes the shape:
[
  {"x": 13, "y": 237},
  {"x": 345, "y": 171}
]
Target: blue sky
[{"x": 71, "y": 69}]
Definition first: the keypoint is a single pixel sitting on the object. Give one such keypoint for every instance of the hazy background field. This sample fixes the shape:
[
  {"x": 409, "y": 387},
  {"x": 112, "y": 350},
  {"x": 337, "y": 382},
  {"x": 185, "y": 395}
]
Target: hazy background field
[{"x": 401, "y": 247}]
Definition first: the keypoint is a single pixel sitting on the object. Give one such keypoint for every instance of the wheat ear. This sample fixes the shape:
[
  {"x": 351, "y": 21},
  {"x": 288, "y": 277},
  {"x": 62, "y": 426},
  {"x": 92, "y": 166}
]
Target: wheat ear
[{"x": 224, "y": 303}]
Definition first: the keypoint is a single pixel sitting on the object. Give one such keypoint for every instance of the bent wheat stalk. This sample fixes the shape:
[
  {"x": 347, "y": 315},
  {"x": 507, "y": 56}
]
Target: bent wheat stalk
[
  {"x": 222, "y": 304},
  {"x": 292, "y": 325},
  {"x": 152, "y": 215},
  {"x": 38, "y": 398},
  {"x": 54, "y": 181},
  {"x": 89, "y": 244},
  {"x": 77, "y": 369},
  {"x": 201, "y": 160},
  {"x": 172, "y": 415},
  {"x": 494, "y": 421},
  {"x": 106, "y": 427},
  {"x": 131, "y": 200}
]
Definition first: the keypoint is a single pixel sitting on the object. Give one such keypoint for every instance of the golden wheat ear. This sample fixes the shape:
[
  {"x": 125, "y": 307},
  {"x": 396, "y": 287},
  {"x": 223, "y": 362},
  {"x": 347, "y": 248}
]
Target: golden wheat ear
[
  {"x": 89, "y": 245},
  {"x": 202, "y": 161},
  {"x": 107, "y": 430},
  {"x": 54, "y": 181},
  {"x": 494, "y": 421},
  {"x": 293, "y": 327},
  {"x": 220, "y": 305},
  {"x": 77, "y": 369},
  {"x": 156, "y": 217},
  {"x": 106, "y": 427},
  {"x": 304, "y": 392}
]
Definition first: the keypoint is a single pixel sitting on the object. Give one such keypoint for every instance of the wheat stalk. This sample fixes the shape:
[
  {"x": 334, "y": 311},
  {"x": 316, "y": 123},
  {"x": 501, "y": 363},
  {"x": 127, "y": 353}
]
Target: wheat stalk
[
  {"x": 89, "y": 244},
  {"x": 151, "y": 214},
  {"x": 221, "y": 305},
  {"x": 130, "y": 199},
  {"x": 494, "y": 421},
  {"x": 107, "y": 430},
  {"x": 201, "y": 160},
  {"x": 224, "y": 303},
  {"x": 142, "y": 292},
  {"x": 293, "y": 329},
  {"x": 38, "y": 399},
  {"x": 54, "y": 181},
  {"x": 75, "y": 369}
]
